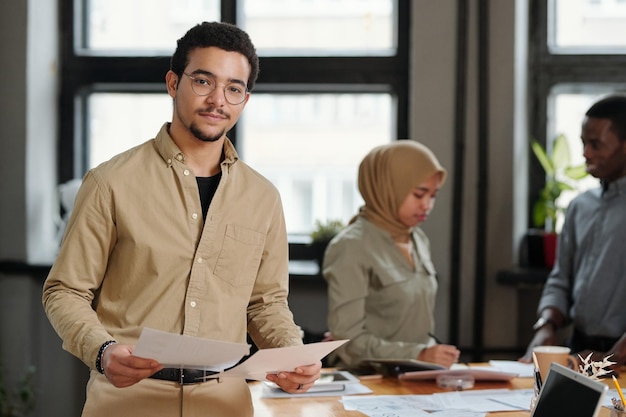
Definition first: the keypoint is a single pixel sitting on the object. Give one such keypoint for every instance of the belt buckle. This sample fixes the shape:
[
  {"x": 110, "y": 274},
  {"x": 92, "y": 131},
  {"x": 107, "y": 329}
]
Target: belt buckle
[
  {"x": 188, "y": 379},
  {"x": 191, "y": 376},
  {"x": 194, "y": 376}
]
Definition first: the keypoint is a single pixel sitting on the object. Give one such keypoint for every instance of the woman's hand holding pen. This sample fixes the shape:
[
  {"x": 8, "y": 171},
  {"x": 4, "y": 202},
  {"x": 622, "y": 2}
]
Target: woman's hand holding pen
[{"x": 444, "y": 355}]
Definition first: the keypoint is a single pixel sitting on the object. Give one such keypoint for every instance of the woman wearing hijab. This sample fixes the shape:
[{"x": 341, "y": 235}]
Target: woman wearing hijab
[{"x": 381, "y": 280}]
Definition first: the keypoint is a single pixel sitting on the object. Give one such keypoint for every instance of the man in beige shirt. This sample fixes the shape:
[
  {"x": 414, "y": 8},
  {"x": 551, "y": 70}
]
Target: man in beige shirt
[{"x": 180, "y": 235}]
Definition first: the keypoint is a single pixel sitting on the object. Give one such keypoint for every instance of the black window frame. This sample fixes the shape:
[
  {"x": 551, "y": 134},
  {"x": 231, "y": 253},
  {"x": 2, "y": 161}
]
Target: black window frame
[
  {"x": 82, "y": 74},
  {"x": 549, "y": 69}
]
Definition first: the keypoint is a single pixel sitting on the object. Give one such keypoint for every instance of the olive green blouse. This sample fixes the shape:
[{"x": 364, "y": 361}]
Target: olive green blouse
[{"x": 376, "y": 299}]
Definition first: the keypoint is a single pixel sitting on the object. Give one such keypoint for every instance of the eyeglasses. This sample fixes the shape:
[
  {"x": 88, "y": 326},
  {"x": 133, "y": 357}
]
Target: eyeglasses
[{"x": 203, "y": 85}]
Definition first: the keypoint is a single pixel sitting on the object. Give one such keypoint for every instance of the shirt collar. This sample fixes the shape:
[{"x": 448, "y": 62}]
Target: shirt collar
[
  {"x": 614, "y": 188},
  {"x": 170, "y": 152}
]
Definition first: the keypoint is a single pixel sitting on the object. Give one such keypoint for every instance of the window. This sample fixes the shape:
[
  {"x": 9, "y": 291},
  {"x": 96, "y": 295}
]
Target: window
[
  {"x": 333, "y": 84},
  {"x": 579, "y": 56},
  {"x": 320, "y": 27},
  {"x": 145, "y": 27},
  {"x": 588, "y": 26},
  {"x": 309, "y": 146}
]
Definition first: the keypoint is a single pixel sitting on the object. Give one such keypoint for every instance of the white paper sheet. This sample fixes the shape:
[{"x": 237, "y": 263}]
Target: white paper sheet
[
  {"x": 179, "y": 351},
  {"x": 271, "y": 361},
  {"x": 525, "y": 370},
  {"x": 454, "y": 403}
]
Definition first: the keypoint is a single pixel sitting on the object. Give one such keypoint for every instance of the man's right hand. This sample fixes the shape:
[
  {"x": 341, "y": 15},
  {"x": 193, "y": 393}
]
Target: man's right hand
[
  {"x": 123, "y": 369},
  {"x": 445, "y": 355},
  {"x": 545, "y": 336}
]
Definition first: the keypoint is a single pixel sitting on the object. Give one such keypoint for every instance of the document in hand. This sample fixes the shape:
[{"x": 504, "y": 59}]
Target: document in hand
[
  {"x": 180, "y": 351},
  {"x": 272, "y": 361}
]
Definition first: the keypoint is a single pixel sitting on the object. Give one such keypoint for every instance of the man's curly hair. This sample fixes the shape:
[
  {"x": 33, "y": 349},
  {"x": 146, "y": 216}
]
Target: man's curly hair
[
  {"x": 612, "y": 107},
  {"x": 222, "y": 35}
]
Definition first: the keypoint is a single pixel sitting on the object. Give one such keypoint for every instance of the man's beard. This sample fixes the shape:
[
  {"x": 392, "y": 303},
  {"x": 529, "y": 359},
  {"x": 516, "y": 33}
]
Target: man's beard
[{"x": 205, "y": 138}]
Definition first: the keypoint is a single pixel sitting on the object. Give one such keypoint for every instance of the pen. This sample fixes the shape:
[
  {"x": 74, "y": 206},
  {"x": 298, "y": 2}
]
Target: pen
[
  {"x": 435, "y": 338},
  {"x": 538, "y": 380},
  {"x": 619, "y": 390},
  {"x": 535, "y": 362}
]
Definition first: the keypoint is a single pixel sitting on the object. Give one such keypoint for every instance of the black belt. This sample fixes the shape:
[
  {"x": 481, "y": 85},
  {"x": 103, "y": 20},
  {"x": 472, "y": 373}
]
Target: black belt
[
  {"x": 581, "y": 341},
  {"x": 182, "y": 375}
]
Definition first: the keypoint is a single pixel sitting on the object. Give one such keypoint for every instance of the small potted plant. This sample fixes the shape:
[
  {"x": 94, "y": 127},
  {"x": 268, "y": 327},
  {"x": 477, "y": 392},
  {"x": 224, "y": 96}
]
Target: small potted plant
[
  {"x": 560, "y": 176},
  {"x": 322, "y": 235},
  {"x": 19, "y": 402}
]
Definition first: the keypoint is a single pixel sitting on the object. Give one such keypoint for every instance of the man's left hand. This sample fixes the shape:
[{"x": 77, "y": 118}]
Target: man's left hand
[{"x": 298, "y": 381}]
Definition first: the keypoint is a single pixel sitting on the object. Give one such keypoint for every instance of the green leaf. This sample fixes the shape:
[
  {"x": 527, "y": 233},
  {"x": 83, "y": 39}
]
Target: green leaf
[
  {"x": 576, "y": 173},
  {"x": 560, "y": 153},
  {"x": 542, "y": 157},
  {"x": 560, "y": 176},
  {"x": 325, "y": 231},
  {"x": 539, "y": 214}
]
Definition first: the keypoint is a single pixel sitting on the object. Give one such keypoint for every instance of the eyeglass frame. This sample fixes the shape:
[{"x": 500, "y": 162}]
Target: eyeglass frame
[{"x": 193, "y": 79}]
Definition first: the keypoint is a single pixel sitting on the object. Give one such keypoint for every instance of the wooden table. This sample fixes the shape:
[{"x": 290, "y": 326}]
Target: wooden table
[{"x": 331, "y": 407}]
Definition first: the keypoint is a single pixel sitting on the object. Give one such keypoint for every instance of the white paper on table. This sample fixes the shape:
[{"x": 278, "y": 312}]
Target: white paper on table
[
  {"x": 272, "y": 361},
  {"x": 390, "y": 405},
  {"x": 524, "y": 370},
  {"x": 180, "y": 351},
  {"x": 489, "y": 400}
]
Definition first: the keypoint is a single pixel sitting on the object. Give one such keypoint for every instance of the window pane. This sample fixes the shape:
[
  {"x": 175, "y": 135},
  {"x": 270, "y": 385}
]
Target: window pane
[
  {"x": 144, "y": 27},
  {"x": 119, "y": 121},
  {"x": 590, "y": 26},
  {"x": 321, "y": 27},
  {"x": 310, "y": 145}
]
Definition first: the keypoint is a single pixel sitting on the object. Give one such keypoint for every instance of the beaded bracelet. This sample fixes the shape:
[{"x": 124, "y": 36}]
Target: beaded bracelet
[{"x": 104, "y": 347}]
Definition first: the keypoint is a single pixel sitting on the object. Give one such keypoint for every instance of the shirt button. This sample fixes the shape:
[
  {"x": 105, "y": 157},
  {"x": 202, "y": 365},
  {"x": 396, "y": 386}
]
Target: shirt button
[
  {"x": 169, "y": 161},
  {"x": 193, "y": 303},
  {"x": 194, "y": 216},
  {"x": 200, "y": 260},
  {"x": 186, "y": 172},
  {"x": 179, "y": 157}
]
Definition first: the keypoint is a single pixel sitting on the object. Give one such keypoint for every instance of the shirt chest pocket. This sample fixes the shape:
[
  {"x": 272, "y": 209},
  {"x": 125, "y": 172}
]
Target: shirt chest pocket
[
  {"x": 240, "y": 256},
  {"x": 390, "y": 276},
  {"x": 387, "y": 277}
]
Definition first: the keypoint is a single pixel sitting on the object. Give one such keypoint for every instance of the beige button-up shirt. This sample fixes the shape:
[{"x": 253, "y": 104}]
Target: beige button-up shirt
[{"x": 137, "y": 253}]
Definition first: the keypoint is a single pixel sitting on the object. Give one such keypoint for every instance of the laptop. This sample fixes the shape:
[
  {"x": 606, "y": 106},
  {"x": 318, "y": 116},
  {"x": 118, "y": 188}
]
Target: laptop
[{"x": 566, "y": 392}]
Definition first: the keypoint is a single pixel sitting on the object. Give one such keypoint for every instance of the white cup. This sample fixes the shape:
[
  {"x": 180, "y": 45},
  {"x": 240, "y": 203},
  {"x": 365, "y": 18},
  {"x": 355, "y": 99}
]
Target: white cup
[{"x": 547, "y": 354}]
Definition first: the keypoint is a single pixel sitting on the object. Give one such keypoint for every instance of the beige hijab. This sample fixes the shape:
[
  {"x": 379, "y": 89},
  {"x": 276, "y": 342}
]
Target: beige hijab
[{"x": 386, "y": 176}]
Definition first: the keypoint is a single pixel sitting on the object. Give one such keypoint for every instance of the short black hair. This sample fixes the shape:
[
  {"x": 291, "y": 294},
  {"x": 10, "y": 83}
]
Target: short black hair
[
  {"x": 222, "y": 35},
  {"x": 612, "y": 107}
]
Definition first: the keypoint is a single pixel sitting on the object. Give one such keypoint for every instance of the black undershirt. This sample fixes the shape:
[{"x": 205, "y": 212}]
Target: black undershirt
[{"x": 207, "y": 187}]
